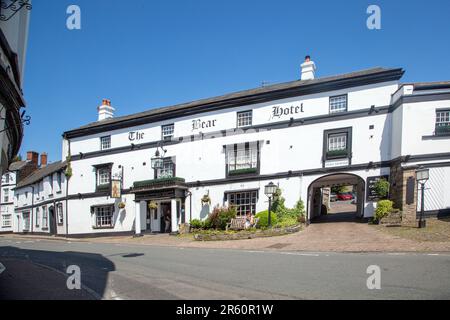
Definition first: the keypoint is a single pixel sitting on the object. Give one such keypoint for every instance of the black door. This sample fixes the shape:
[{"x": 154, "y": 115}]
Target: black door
[{"x": 52, "y": 222}]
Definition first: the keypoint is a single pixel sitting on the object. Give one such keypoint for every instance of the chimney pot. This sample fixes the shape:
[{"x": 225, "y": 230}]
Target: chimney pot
[
  {"x": 43, "y": 159},
  {"x": 105, "y": 111},
  {"x": 33, "y": 157}
]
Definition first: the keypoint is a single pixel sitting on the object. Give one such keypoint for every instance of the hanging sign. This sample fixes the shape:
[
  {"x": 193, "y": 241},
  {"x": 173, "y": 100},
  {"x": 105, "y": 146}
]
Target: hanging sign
[{"x": 116, "y": 191}]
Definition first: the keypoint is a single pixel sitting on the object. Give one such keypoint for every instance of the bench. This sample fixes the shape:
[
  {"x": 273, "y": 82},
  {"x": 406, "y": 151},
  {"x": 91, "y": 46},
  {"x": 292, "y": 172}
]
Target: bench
[{"x": 239, "y": 224}]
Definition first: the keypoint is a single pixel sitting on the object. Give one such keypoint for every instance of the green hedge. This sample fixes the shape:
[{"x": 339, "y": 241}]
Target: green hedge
[{"x": 264, "y": 218}]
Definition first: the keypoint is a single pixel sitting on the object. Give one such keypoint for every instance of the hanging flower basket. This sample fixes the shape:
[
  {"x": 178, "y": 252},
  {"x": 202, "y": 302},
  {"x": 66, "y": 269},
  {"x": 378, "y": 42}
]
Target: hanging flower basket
[
  {"x": 152, "y": 205},
  {"x": 121, "y": 205},
  {"x": 206, "y": 199}
]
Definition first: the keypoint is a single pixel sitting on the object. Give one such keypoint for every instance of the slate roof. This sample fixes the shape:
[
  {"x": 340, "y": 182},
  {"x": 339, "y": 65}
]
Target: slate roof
[
  {"x": 41, "y": 173},
  {"x": 375, "y": 72}
]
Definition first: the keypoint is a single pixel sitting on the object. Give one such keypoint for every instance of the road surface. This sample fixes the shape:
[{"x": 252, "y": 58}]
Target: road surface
[{"x": 36, "y": 269}]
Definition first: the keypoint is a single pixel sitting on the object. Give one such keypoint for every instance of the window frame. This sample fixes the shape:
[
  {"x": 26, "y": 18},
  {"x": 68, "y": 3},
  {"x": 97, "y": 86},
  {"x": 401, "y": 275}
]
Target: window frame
[
  {"x": 446, "y": 124},
  {"x": 44, "y": 217},
  {"x": 5, "y": 195},
  {"x": 3, "y": 220},
  {"x": 242, "y": 212},
  {"x": 99, "y": 187},
  {"x": 102, "y": 142},
  {"x": 338, "y": 96},
  {"x": 348, "y": 150},
  {"x": 252, "y": 170},
  {"x": 60, "y": 214},
  {"x": 59, "y": 181},
  {"x": 102, "y": 225},
  {"x": 166, "y": 136},
  {"x": 37, "y": 218},
  {"x": 242, "y": 113}
]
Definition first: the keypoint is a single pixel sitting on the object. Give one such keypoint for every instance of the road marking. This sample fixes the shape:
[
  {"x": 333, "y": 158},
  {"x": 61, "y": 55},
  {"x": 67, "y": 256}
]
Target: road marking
[
  {"x": 434, "y": 254},
  {"x": 2, "y": 268}
]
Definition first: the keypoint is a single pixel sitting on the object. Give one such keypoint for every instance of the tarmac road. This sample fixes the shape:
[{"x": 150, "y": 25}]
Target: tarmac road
[{"x": 36, "y": 269}]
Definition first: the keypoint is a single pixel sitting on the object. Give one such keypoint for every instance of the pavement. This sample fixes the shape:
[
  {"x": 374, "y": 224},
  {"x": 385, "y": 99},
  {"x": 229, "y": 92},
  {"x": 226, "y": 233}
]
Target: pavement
[
  {"x": 35, "y": 269},
  {"x": 335, "y": 232}
]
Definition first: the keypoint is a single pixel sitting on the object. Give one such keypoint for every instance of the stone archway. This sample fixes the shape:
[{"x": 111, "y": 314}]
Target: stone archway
[{"x": 317, "y": 193}]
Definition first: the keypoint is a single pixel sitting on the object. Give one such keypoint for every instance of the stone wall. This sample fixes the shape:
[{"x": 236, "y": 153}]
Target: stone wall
[{"x": 399, "y": 193}]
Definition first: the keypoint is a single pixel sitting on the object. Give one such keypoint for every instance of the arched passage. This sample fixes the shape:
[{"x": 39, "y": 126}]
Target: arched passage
[{"x": 320, "y": 197}]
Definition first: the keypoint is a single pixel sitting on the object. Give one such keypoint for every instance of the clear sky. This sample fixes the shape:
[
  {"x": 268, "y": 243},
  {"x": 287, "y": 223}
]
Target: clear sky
[{"x": 143, "y": 54}]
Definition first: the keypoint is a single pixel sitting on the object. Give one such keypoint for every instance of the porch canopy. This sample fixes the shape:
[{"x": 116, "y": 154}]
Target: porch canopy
[{"x": 162, "y": 188}]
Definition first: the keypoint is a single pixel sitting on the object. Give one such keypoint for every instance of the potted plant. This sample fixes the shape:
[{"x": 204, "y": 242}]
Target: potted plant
[
  {"x": 121, "y": 205},
  {"x": 152, "y": 205}
]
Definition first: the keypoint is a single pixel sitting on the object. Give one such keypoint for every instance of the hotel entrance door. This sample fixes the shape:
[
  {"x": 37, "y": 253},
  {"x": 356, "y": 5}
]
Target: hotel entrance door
[{"x": 166, "y": 217}]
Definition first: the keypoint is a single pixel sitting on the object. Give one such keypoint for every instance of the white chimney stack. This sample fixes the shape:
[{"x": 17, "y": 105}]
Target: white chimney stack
[
  {"x": 105, "y": 111},
  {"x": 308, "y": 69}
]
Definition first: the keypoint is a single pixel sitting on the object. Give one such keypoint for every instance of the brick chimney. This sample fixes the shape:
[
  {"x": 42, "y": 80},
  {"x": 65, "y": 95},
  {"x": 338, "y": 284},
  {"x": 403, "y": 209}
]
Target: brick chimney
[
  {"x": 105, "y": 111},
  {"x": 308, "y": 69},
  {"x": 43, "y": 160},
  {"x": 33, "y": 157}
]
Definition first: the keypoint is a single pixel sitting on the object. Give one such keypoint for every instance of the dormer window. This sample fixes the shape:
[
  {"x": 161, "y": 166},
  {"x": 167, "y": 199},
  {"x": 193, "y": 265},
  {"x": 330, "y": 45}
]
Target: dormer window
[{"x": 338, "y": 104}]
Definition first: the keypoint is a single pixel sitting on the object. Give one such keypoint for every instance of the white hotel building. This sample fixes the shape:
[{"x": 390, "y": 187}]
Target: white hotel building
[{"x": 303, "y": 135}]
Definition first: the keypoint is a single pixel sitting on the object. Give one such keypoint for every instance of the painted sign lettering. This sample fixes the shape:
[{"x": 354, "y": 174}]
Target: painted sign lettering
[
  {"x": 203, "y": 124},
  {"x": 135, "y": 136},
  {"x": 278, "y": 112}
]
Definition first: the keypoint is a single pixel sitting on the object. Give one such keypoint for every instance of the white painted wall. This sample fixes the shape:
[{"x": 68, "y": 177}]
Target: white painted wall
[{"x": 40, "y": 195}]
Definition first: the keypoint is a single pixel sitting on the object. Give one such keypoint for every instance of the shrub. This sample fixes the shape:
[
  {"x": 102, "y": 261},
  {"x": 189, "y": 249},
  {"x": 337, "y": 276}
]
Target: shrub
[
  {"x": 278, "y": 202},
  {"x": 264, "y": 218},
  {"x": 219, "y": 218},
  {"x": 294, "y": 213},
  {"x": 287, "y": 222},
  {"x": 197, "y": 224},
  {"x": 384, "y": 207},
  {"x": 382, "y": 188}
]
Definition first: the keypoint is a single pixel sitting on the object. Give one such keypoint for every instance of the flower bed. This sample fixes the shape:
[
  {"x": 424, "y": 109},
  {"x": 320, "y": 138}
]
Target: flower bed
[{"x": 217, "y": 235}]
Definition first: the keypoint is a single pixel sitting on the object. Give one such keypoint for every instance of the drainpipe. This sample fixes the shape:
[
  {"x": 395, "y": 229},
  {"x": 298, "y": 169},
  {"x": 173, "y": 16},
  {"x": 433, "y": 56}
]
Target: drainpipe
[
  {"x": 67, "y": 196},
  {"x": 32, "y": 208}
]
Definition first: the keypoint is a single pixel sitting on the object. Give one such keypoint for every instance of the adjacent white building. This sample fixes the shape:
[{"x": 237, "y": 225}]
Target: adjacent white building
[
  {"x": 39, "y": 201},
  {"x": 302, "y": 135},
  {"x": 17, "y": 171}
]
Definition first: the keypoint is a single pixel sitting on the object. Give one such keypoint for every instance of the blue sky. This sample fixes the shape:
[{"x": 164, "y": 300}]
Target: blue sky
[{"x": 143, "y": 54}]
